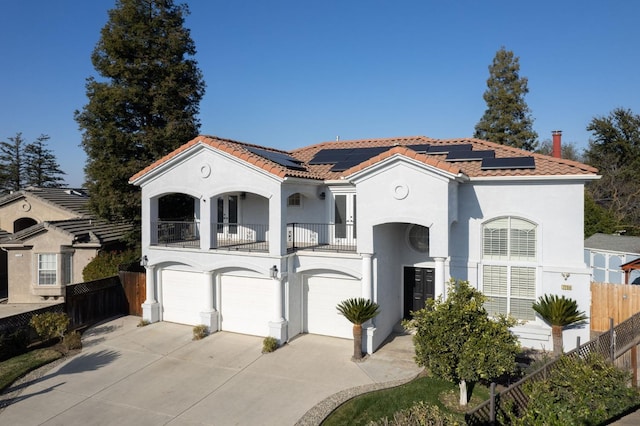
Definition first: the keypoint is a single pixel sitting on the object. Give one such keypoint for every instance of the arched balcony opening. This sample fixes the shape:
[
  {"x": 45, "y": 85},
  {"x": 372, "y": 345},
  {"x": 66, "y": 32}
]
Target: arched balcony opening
[{"x": 178, "y": 222}]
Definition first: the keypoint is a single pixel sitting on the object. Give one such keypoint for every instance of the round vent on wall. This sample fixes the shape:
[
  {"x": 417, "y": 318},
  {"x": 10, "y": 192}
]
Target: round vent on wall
[{"x": 25, "y": 206}]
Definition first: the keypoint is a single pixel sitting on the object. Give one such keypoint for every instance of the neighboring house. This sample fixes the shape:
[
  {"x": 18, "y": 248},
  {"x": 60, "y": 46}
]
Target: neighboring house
[
  {"x": 277, "y": 239},
  {"x": 53, "y": 237},
  {"x": 607, "y": 255}
]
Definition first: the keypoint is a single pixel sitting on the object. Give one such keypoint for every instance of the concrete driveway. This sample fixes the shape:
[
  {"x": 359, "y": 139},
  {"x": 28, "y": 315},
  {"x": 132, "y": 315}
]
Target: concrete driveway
[{"x": 157, "y": 375}]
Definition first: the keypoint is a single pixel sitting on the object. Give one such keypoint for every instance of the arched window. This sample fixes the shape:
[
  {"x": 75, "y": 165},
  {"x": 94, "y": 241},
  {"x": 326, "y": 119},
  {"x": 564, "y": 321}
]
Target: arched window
[{"x": 509, "y": 255}]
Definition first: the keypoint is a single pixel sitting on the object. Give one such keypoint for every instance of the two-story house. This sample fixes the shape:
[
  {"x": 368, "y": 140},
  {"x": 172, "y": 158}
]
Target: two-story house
[
  {"x": 275, "y": 240},
  {"x": 51, "y": 236}
]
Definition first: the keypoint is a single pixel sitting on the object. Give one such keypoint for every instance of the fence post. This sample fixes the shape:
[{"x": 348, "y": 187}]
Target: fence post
[
  {"x": 612, "y": 340},
  {"x": 578, "y": 342},
  {"x": 492, "y": 404}
]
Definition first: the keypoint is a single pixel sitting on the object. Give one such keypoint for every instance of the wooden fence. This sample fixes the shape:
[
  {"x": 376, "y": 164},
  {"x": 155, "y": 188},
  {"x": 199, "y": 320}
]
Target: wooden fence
[
  {"x": 617, "y": 301},
  {"x": 612, "y": 344},
  {"x": 91, "y": 302},
  {"x": 134, "y": 285}
]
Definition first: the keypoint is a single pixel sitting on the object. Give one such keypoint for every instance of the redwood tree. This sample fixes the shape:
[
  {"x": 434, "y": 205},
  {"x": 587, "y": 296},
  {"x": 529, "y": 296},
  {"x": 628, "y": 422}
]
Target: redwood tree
[
  {"x": 143, "y": 105},
  {"x": 507, "y": 119}
]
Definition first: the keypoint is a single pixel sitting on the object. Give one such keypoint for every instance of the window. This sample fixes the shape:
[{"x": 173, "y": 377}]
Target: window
[
  {"x": 67, "y": 268},
  {"x": 419, "y": 238},
  {"x": 47, "y": 269},
  {"x": 294, "y": 200},
  {"x": 509, "y": 253}
]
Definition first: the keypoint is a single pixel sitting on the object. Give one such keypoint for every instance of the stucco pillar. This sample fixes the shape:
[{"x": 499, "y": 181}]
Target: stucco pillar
[
  {"x": 368, "y": 328},
  {"x": 151, "y": 307},
  {"x": 367, "y": 281},
  {"x": 203, "y": 222},
  {"x": 278, "y": 327},
  {"x": 440, "y": 284},
  {"x": 209, "y": 316}
]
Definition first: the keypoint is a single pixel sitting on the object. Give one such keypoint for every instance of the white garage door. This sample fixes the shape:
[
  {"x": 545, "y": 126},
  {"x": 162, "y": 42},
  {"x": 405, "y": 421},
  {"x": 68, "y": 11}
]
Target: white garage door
[
  {"x": 321, "y": 295},
  {"x": 183, "y": 296},
  {"x": 246, "y": 304}
]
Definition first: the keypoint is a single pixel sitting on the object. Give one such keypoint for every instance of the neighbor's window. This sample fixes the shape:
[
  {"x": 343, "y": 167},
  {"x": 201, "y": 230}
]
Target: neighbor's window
[
  {"x": 294, "y": 200},
  {"x": 67, "y": 268},
  {"x": 47, "y": 268},
  {"x": 509, "y": 272}
]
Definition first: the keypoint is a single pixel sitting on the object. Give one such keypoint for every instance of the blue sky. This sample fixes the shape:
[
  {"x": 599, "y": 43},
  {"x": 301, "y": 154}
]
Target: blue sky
[{"x": 286, "y": 74}]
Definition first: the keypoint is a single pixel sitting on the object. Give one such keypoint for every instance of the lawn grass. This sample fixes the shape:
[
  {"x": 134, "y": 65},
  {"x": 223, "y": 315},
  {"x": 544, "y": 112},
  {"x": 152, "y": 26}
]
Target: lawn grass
[
  {"x": 16, "y": 367},
  {"x": 384, "y": 403}
]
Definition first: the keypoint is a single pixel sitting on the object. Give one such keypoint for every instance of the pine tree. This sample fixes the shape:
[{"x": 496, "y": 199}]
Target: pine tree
[
  {"x": 12, "y": 163},
  {"x": 507, "y": 119},
  {"x": 144, "y": 106},
  {"x": 41, "y": 169}
]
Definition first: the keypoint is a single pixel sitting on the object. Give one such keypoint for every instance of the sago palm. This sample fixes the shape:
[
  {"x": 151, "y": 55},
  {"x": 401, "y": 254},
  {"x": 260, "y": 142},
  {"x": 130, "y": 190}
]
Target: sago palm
[
  {"x": 558, "y": 312},
  {"x": 358, "y": 311}
]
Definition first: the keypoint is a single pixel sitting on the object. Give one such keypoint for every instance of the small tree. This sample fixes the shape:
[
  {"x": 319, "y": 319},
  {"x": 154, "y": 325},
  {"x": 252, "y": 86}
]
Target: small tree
[
  {"x": 558, "y": 312},
  {"x": 358, "y": 311},
  {"x": 457, "y": 341},
  {"x": 41, "y": 167}
]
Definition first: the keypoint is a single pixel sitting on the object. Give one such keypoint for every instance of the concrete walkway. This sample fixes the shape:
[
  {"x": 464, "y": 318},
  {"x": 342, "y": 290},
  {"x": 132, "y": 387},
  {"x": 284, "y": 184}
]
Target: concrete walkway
[{"x": 157, "y": 375}]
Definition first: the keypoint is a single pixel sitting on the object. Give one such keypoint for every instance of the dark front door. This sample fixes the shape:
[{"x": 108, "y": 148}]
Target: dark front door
[{"x": 419, "y": 285}]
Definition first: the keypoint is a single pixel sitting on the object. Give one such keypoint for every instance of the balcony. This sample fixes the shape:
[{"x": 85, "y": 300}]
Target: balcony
[
  {"x": 255, "y": 237},
  {"x": 228, "y": 236},
  {"x": 321, "y": 237}
]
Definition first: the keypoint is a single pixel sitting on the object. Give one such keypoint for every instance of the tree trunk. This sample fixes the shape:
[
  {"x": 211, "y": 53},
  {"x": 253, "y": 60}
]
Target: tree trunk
[
  {"x": 556, "y": 333},
  {"x": 357, "y": 341},
  {"x": 463, "y": 393}
]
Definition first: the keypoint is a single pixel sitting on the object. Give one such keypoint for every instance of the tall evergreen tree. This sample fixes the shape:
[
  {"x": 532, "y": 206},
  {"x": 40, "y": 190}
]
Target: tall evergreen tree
[
  {"x": 145, "y": 104},
  {"x": 507, "y": 119},
  {"x": 40, "y": 165},
  {"x": 615, "y": 152},
  {"x": 12, "y": 163}
]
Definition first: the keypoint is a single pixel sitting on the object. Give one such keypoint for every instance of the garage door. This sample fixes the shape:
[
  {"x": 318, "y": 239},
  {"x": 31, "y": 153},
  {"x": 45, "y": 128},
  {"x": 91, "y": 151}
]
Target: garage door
[
  {"x": 183, "y": 296},
  {"x": 246, "y": 304},
  {"x": 321, "y": 295}
]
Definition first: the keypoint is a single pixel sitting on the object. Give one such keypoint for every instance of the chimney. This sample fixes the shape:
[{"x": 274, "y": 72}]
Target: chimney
[{"x": 557, "y": 143}]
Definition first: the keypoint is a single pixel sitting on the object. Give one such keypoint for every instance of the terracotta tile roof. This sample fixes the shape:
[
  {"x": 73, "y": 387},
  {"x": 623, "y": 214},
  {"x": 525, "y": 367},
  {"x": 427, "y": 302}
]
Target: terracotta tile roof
[{"x": 544, "y": 165}]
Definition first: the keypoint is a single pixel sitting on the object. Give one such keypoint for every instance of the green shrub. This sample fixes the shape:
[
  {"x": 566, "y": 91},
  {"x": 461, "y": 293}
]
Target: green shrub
[
  {"x": 106, "y": 264},
  {"x": 200, "y": 332},
  {"x": 420, "y": 414},
  {"x": 144, "y": 323},
  {"x": 15, "y": 343},
  {"x": 72, "y": 341},
  {"x": 50, "y": 324},
  {"x": 579, "y": 392},
  {"x": 269, "y": 344}
]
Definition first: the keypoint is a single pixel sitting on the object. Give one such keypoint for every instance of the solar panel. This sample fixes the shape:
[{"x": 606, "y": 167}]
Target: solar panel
[
  {"x": 508, "y": 163},
  {"x": 470, "y": 155},
  {"x": 278, "y": 157},
  {"x": 422, "y": 148},
  {"x": 444, "y": 149},
  {"x": 328, "y": 156}
]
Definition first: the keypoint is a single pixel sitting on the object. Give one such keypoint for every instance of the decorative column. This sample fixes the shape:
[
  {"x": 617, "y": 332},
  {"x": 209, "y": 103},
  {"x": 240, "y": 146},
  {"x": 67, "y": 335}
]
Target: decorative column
[
  {"x": 150, "y": 307},
  {"x": 367, "y": 281},
  {"x": 368, "y": 328},
  {"x": 440, "y": 284},
  {"x": 209, "y": 316},
  {"x": 277, "y": 327}
]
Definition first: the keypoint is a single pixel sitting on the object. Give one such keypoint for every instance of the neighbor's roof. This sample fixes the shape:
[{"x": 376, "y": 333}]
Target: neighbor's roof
[
  {"x": 81, "y": 231},
  {"x": 613, "y": 242},
  {"x": 70, "y": 199},
  {"x": 263, "y": 157}
]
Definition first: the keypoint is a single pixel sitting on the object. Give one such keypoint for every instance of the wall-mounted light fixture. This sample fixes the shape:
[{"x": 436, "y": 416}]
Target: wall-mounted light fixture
[
  {"x": 243, "y": 195},
  {"x": 565, "y": 275},
  {"x": 144, "y": 261},
  {"x": 274, "y": 272},
  {"x": 322, "y": 195}
]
